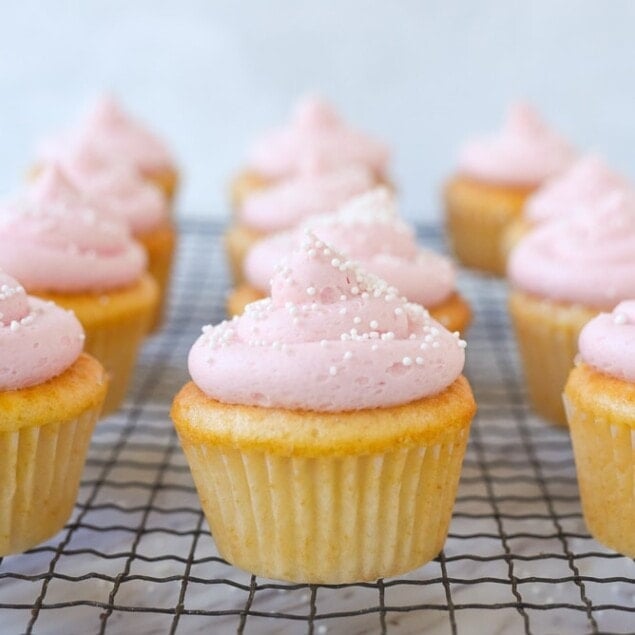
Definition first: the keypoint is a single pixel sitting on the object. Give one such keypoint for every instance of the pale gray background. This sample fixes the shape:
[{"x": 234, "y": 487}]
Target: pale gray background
[{"x": 423, "y": 75}]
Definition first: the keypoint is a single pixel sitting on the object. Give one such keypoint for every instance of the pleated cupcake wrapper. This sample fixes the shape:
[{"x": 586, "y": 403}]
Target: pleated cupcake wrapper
[
  {"x": 605, "y": 462},
  {"x": 116, "y": 347},
  {"x": 332, "y": 519},
  {"x": 548, "y": 352},
  {"x": 477, "y": 234},
  {"x": 40, "y": 469}
]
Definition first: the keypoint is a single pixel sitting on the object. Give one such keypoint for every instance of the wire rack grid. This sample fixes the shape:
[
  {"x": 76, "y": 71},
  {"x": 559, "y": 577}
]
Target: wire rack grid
[{"x": 137, "y": 555}]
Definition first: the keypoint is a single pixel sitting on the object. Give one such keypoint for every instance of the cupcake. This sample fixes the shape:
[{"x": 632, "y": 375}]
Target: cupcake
[
  {"x": 315, "y": 141},
  {"x": 367, "y": 230},
  {"x": 63, "y": 250},
  {"x": 495, "y": 176},
  {"x": 119, "y": 192},
  {"x": 286, "y": 205},
  {"x": 581, "y": 188},
  {"x": 563, "y": 274},
  {"x": 110, "y": 133},
  {"x": 600, "y": 403},
  {"x": 50, "y": 397},
  {"x": 326, "y": 426}
]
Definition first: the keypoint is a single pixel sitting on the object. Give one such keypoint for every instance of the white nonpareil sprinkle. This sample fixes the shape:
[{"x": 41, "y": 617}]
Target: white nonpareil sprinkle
[
  {"x": 348, "y": 355},
  {"x": 374, "y": 324},
  {"x": 620, "y": 318},
  {"x": 323, "y": 343},
  {"x": 332, "y": 371},
  {"x": 407, "y": 361},
  {"x": 15, "y": 325},
  {"x": 398, "y": 311},
  {"x": 462, "y": 343},
  {"x": 357, "y": 320},
  {"x": 311, "y": 291},
  {"x": 419, "y": 360}
]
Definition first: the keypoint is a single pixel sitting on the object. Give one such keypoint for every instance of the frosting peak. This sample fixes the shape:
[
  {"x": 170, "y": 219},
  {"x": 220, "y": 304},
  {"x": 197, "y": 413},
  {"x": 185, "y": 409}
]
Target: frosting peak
[
  {"x": 607, "y": 342},
  {"x": 53, "y": 240},
  {"x": 368, "y": 230},
  {"x": 312, "y": 113},
  {"x": 316, "y": 140},
  {"x": 583, "y": 187},
  {"x": 330, "y": 338},
  {"x": 38, "y": 340},
  {"x": 112, "y": 134},
  {"x": 525, "y": 152},
  {"x": 588, "y": 258}
]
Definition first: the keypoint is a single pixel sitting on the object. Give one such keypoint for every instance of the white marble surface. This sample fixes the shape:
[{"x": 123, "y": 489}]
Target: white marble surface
[
  {"x": 518, "y": 496},
  {"x": 211, "y": 75}
]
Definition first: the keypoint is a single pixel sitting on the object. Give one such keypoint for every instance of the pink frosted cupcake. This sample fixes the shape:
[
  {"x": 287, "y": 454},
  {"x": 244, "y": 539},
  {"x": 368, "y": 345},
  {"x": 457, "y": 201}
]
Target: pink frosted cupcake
[
  {"x": 64, "y": 250},
  {"x": 585, "y": 186},
  {"x": 120, "y": 192},
  {"x": 367, "y": 230},
  {"x": 563, "y": 274},
  {"x": 326, "y": 426},
  {"x": 50, "y": 397},
  {"x": 494, "y": 178},
  {"x": 110, "y": 133},
  {"x": 316, "y": 140},
  {"x": 600, "y": 404}
]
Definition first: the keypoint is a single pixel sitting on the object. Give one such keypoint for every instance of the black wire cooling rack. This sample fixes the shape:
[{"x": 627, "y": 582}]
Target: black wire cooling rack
[{"x": 137, "y": 556}]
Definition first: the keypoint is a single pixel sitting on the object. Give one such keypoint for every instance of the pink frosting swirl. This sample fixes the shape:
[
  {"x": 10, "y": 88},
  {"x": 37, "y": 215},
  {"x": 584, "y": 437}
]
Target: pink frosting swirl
[
  {"x": 291, "y": 201},
  {"x": 53, "y": 240},
  {"x": 587, "y": 259},
  {"x": 582, "y": 188},
  {"x": 368, "y": 231},
  {"x": 112, "y": 134},
  {"x": 607, "y": 342},
  {"x": 38, "y": 340},
  {"x": 331, "y": 338},
  {"x": 525, "y": 152},
  {"x": 117, "y": 190},
  {"x": 316, "y": 140}
]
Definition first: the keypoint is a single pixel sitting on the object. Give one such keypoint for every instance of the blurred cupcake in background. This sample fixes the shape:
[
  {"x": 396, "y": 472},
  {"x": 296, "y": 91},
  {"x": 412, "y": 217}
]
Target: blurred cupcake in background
[
  {"x": 366, "y": 230},
  {"x": 121, "y": 193},
  {"x": 50, "y": 397},
  {"x": 600, "y": 404},
  {"x": 315, "y": 141},
  {"x": 562, "y": 275},
  {"x": 312, "y": 165},
  {"x": 63, "y": 249},
  {"x": 495, "y": 176},
  {"x": 108, "y": 132},
  {"x": 581, "y": 188},
  {"x": 287, "y": 204}
]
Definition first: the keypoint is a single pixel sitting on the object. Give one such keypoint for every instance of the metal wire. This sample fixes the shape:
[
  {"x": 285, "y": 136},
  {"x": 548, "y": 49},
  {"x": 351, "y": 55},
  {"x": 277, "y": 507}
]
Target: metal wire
[{"x": 137, "y": 554}]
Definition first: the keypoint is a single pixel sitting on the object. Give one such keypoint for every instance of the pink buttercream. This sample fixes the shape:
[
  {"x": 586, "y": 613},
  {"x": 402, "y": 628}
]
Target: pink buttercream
[
  {"x": 525, "y": 152},
  {"x": 331, "y": 338},
  {"x": 368, "y": 231},
  {"x": 117, "y": 190},
  {"x": 53, "y": 240},
  {"x": 587, "y": 259},
  {"x": 38, "y": 340},
  {"x": 316, "y": 140},
  {"x": 111, "y": 133},
  {"x": 607, "y": 342},
  {"x": 582, "y": 188},
  {"x": 285, "y": 205}
]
